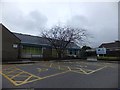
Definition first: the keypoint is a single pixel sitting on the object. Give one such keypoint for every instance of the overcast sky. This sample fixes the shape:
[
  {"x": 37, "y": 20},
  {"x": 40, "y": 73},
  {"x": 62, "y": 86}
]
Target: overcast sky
[{"x": 99, "y": 18}]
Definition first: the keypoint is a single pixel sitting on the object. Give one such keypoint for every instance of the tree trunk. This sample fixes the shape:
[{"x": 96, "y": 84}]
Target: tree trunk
[{"x": 59, "y": 55}]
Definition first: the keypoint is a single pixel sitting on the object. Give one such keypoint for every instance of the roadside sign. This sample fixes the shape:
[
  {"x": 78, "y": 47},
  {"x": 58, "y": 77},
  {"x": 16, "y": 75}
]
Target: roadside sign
[{"x": 101, "y": 51}]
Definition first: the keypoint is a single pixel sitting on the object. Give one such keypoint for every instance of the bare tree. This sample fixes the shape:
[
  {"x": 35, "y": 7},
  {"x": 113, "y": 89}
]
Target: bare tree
[{"x": 61, "y": 36}]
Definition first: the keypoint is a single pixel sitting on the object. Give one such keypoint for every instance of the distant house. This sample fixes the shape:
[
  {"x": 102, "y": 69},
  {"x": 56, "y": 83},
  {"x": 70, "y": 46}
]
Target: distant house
[
  {"x": 16, "y": 46},
  {"x": 10, "y": 44},
  {"x": 113, "y": 48}
]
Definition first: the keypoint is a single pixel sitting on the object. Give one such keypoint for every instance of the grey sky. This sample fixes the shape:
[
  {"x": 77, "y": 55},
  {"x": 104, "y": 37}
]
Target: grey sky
[{"x": 99, "y": 18}]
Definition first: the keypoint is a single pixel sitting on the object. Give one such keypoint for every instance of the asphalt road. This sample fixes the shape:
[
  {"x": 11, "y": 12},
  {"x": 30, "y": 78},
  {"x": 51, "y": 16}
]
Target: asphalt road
[{"x": 61, "y": 75}]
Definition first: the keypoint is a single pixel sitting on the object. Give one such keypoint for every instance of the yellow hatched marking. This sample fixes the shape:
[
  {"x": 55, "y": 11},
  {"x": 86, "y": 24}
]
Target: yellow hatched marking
[
  {"x": 12, "y": 81},
  {"x": 78, "y": 72},
  {"x": 96, "y": 70},
  {"x": 19, "y": 75},
  {"x": 51, "y": 64},
  {"x": 87, "y": 63},
  {"x": 83, "y": 71},
  {"x": 64, "y": 68},
  {"x": 16, "y": 75},
  {"x": 26, "y": 79},
  {"x": 11, "y": 71},
  {"x": 17, "y": 83},
  {"x": 55, "y": 74},
  {"x": 28, "y": 73},
  {"x": 29, "y": 81},
  {"x": 69, "y": 68},
  {"x": 23, "y": 76},
  {"x": 91, "y": 71}
]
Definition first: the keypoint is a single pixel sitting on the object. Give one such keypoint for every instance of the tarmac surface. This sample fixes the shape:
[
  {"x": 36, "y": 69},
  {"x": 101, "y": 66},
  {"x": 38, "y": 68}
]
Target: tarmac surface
[{"x": 51, "y": 74}]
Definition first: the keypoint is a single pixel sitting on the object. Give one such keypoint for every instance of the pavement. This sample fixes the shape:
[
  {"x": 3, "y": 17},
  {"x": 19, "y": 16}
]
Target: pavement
[{"x": 47, "y": 74}]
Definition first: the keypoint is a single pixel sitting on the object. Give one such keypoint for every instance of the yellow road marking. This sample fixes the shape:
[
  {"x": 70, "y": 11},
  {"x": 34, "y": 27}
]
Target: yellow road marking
[
  {"x": 11, "y": 71},
  {"x": 69, "y": 68},
  {"x": 96, "y": 70},
  {"x": 27, "y": 79},
  {"x": 83, "y": 71},
  {"x": 51, "y": 64},
  {"x": 19, "y": 75},
  {"x": 91, "y": 71},
  {"x": 54, "y": 74},
  {"x": 28, "y": 73},
  {"x": 16, "y": 83},
  {"x": 16, "y": 75},
  {"x": 31, "y": 81},
  {"x": 93, "y": 64},
  {"x": 42, "y": 69},
  {"x": 77, "y": 72},
  {"x": 58, "y": 66},
  {"x": 9, "y": 79}
]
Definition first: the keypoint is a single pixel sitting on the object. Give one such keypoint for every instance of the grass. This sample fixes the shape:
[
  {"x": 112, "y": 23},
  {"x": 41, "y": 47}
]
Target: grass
[{"x": 108, "y": 58}]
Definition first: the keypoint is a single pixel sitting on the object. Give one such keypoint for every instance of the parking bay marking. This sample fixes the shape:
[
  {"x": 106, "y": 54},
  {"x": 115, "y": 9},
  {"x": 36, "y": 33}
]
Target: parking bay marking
[
  {"x": 18, "y": 82},
  {"x": 27, "y": 80},
  {"x": 59, "y": 67},
  {"x": 21, "y": 82},
  {"x": 91, "y": 71},
  {"x": 81, "y": 70}
]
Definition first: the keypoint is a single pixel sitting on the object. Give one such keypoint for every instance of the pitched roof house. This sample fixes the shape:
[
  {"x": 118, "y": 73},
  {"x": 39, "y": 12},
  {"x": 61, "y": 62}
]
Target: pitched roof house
[{"x": 111, "y": 46}]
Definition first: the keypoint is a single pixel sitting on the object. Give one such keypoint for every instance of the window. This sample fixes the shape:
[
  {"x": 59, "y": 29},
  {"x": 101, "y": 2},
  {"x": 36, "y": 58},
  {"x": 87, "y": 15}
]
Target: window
[
  {"x": 70, "y": 52},
  {"x": 32, "y": 50},
  {"x": 98, "y": 49},
  {"x": 15, "y": 45}
]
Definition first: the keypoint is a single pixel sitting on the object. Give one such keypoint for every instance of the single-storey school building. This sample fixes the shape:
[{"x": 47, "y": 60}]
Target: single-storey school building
[
  {"x": 18, "y": 46},
  {"x": 38, "y": 47}
]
